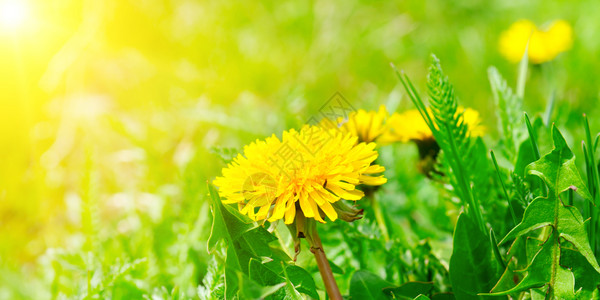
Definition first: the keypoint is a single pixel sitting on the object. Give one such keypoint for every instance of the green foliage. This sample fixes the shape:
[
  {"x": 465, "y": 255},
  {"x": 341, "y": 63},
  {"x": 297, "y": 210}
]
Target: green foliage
[
  {"x": 255, "y": 266},
  {"x": 366, "y": 285},
  {"x": 476, "y": 265},
  {"x": 558, "y": 170},
  {"x": 509, "y": 111},
  {"x": 451, "y": 132},
  {"x": 411, "y": 290},
  {"x": 560, "y": 223},
  {"x": 587, "y": 278},
  {"x": 226, "y": 154},
  {"x": 103, "y": 189},
  {"x": 589, "y": 152},
  {"x": 301, "y": 280},
  {"x": 473, "y": 267}
]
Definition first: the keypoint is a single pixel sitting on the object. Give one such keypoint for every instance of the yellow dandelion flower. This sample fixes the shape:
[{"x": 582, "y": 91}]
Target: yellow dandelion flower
[
  {"x": 310, "y": 169},
  {"x": 473, "y": 120},
  {"x": 366, "y": 125},
  {"x": 410, "y": 126},
  {"x": 544, "y": 45},
  {"x": 407, "y": 126},
  {"x": 559, "y": 36}
]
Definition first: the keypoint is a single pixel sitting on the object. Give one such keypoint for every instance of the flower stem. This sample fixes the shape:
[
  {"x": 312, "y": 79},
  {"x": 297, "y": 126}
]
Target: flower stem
[
  {"x": 330, "y": 285},
  {"x": 378, "y": 216},
  {"x": 317, "y": 249}
]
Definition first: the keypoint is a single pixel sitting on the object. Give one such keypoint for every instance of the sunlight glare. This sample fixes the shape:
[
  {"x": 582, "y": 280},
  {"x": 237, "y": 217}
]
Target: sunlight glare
[{"x": 12, "y": 14}]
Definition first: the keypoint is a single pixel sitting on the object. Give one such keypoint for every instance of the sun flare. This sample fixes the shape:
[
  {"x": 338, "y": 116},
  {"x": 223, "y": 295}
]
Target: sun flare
[{"x": 13, "y": 14}]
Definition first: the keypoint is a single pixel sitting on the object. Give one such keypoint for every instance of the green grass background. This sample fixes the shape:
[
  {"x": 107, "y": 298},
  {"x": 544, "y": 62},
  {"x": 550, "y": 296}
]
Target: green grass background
[{"x": 109, "y": 111}]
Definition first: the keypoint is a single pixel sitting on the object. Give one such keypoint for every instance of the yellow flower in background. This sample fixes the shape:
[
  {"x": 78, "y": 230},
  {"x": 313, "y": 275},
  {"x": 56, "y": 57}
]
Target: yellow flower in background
[
  {"x": 410, "y": 126},
  {"x": 368, "y": 126},
  {"x": 407, "y": 126},
  {"x": 473, "y": 120},
  {"x": 544, "y": 45},
  {"x": 310, "y": 169}
]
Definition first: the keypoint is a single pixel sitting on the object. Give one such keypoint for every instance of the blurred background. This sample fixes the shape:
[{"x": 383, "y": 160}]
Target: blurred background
[{"x": 115, "y": 113}]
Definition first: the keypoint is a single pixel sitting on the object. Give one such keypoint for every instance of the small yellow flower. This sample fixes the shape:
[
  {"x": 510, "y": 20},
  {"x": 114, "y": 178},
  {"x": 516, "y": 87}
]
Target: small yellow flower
[
  {"x": 366, "y": 125},
  {"x": 473, "y": 120},
  {"x": 310, "y": 169},
  {"x": 407, "y": 126},
  {"x": 544, "y": 45},
  {"x": 410, "y": 126}
]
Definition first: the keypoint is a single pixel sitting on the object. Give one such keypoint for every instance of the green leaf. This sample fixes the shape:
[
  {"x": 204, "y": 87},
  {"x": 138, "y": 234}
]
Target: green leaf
[
  {"x": 226, "y": 154},
  {"x": 232, "y": 283},
  {"x": 495, "y": 250},
  {"x": 524, "y": 157},
  {"x": 507, "y": 281},
  {"x": 557, "y": 168},
  {"x": 532, "y": 138},
  {"x": 250, "y": 289},
  {"x": 587, "y": 279},
  {"x": 302, "y": 281},
  {"x": 262, "y": 275},
  {"x": 257, "y": 241},
  {"x": 509, "y": 109},
  {"x": 473, "y": 269},
  {"x": 297, "y": 280},
  {"x": 443, "y": 296},
  {"x": 290, "y": 292},
  {"x": 539, "y": 293},
  {"x": 218, "y": 230},
  {"x": 540, "y": 273},
  {"x": 564, "y": 284},
  {"x": 366, "y": 285},
  {"x": 422, "y": 297},
  {"x": 410, "y": 290},
  {"x": 228, "y": 224},
  {"x": 335, "y": 268},
  {"x": 248, "y": 245},
  {"x": 541, "y": 269}
]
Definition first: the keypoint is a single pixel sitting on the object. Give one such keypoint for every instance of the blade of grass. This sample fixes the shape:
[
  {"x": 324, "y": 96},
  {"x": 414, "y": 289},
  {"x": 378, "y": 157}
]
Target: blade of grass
[
  {"x": 588, "y": 207},
  {"x": 536, "y": 151},
  {"x": 549, "y": 108},
  {"x": 512, "y": 211},
  {"x": 495, "y": 249},
  {"x": 461, "y": 177},
  {"x": 522, "y": 77},
  {"x": 413, "y": 95},
  {"x": 595, "y": 183},
  {"x": 534, "y": 146}
]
